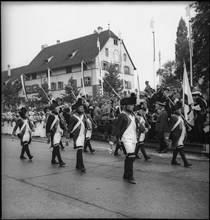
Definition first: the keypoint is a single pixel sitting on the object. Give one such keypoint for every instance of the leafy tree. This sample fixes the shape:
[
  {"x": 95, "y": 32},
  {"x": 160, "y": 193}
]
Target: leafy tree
[
  {"x": 167, "y": 75},
  {"x": 71, "y": 91},
  {"x": 10, "y": 94},
  {"x": 200, "y": 35},
  {"x": 182, "y": 53},
  {"x": 112, "y": 77}
]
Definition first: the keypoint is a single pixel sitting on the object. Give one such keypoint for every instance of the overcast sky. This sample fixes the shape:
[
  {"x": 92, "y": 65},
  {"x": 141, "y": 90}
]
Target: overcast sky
[{"x": 28, "y": 25}]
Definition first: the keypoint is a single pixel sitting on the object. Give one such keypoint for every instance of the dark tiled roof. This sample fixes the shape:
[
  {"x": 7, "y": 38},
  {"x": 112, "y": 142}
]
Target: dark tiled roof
[
  {"x": 86, "y": 46},
  {"x": 87, "y": 51},
  {"x": 15, "y": 73}
]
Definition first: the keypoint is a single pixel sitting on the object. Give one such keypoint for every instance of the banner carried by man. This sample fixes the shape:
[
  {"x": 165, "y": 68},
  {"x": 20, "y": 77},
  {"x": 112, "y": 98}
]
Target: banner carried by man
[{"x": 187, "y": 99}]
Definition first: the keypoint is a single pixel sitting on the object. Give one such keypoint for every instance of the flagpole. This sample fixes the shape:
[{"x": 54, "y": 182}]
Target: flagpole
[
  {"x": 83, "y": 84},
  {"x": 99, "y": 65},
  {"x": 191, "y": 74},
  {"x": 23, "y": 85},
  {"x": 49, "y": 81},
  {"x": 153, "y": 33}
]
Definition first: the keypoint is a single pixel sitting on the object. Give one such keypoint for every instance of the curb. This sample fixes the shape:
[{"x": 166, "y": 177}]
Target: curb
[{"x": 189, "y": 148}]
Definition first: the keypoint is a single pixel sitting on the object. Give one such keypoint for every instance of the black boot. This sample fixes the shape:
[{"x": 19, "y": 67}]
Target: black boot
[
  {"x": 27, "y": 151},
  {"x": 22, "y": 154},
  {"x": 53, "y": 161},
  {"x": 80, "y": 164},
  {"x": 137, "y": 151},
  {"x": 182, "y": 154},
  {"x": 57, "y": 153},
  {"x": 116, "y": 150},
  {"x": 125, "y": 175},
  {"x": 61, "y": 145},
  {"x": 146, "y": 157},
  {"x": 85, "y": 147},
  {"x": 174, "y": 162},
  {"x": 129, "y": 169},
  {"x": 90, "y": 147}
]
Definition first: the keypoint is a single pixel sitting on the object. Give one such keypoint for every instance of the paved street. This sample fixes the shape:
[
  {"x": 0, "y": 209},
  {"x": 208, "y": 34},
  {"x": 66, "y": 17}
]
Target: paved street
[{"x": 37, "y": 189}]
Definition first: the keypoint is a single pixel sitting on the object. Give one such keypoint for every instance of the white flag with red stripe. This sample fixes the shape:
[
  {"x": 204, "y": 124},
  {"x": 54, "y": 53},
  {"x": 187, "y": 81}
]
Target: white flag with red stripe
[{"x": 187, "y": 100}]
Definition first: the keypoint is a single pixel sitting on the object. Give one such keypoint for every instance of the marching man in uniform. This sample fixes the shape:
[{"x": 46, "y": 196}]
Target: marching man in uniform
[
  {"x": 176, "y": 132},
  {"x": 143, "y": 129},
  {"x": 77, "y": 130},
  {"x": 54, "y": 131},
  {"x": 26, "y": 127},
  {"x": 125, "y": 130}
]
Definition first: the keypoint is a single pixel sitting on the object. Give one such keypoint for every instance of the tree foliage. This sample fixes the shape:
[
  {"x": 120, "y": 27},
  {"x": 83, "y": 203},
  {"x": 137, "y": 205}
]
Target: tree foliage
[
  {"x": 167, "y": 75},
  {"x": 71, "y": 91},
  {"x": 182, "y": 53},
  {"x": 113, "y": 78},
  {"x": 200, "y": 36},
  {"x": 10, "y": 94}
]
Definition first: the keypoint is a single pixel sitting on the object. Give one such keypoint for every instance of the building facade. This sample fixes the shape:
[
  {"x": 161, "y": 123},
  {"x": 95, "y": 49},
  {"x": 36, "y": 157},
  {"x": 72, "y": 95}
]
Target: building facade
[{"x": 87, "y": 57}]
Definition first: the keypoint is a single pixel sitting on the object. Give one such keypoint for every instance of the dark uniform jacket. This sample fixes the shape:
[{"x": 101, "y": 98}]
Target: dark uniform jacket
[
  {"x": 176, "y": 133},
  {"x": 121, "y": 124},
  {"x": 161, "y": 123},
  {"x": 72, "y": 122},
  {"x": 51, "y": 132},
  {"x": 19, "y": 124}
]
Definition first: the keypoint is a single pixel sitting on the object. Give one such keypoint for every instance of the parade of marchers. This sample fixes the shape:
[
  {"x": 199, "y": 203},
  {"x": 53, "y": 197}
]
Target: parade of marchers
[{"x": 127, "y": 123}]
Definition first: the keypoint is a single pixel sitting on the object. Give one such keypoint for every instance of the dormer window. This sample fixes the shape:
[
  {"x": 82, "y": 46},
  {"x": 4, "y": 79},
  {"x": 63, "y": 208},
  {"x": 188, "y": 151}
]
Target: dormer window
[
  {"x": 71, "y": 55},
  {"x": 124, "y": 57},
  {"x": 115, "y": 42},
  {"x": 49, "y": 59}
]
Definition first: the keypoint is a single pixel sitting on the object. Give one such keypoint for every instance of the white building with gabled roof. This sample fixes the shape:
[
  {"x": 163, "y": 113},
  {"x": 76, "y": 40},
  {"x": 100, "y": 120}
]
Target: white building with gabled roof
[{"x": 64, "y": 61}]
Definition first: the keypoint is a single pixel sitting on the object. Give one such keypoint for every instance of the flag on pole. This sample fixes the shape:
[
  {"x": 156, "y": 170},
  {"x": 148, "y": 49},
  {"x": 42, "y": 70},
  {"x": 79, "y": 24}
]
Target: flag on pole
[
  {"x": 49, "y": 81},
  {"x": 187, "y": 99},
  {"x": 23, "y": 86}
]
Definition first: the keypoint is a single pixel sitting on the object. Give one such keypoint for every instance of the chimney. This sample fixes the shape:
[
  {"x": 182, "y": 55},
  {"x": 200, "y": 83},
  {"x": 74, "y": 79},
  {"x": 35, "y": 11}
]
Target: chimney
[
  {"x": 8, "y": 70},
  {"x": 100, "y": 29},
  {"x": 58, "y": 41}
]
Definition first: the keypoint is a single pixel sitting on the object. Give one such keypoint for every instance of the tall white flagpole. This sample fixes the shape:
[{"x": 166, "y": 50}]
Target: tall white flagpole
[
  {"x": 99, "y": 65},
  {"x": 153, "y": 32},
  {"x": 49, "y": 81},
  {"x": 83, "y": 84},
  {"x": 190, "y": 44}
]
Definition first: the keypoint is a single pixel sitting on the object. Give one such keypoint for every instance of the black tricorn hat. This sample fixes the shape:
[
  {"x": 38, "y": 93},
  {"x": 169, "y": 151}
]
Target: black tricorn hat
[
  {"x": 129, "y": 101},
  {"x": 22, "y": 112},
  {"x": 54, "y": 105},
  {"x": 177, "y": 106},
  {"x": 77, "y": 104}
]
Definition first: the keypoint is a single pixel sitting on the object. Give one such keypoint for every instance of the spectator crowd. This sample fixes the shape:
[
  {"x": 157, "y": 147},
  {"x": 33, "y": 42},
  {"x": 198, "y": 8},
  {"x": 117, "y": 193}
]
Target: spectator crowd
[{"x": 103, "y": 111}]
